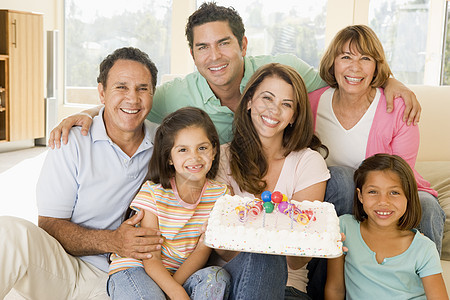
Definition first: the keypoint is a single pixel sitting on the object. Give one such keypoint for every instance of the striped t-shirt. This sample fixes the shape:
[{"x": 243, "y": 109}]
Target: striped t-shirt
[{"x": 179, "y": 222}]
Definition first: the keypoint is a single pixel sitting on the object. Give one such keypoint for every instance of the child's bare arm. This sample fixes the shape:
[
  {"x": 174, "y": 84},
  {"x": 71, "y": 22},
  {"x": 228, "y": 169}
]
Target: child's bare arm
[
  {"x": 196, "y": 260},
  {"x": 335, "y": 285},
  {"x": 156, "y": 270},
  {"x": 435, "y": 287}
]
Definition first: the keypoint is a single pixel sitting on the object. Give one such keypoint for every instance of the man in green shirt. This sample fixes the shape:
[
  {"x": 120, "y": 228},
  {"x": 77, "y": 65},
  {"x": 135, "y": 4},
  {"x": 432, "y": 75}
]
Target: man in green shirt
[{"x": 195, "y": 90}]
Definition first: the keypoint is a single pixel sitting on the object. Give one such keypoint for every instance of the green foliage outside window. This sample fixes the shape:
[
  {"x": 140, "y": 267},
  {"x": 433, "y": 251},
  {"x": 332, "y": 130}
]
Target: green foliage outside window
[{"x": 88, "y": 42}]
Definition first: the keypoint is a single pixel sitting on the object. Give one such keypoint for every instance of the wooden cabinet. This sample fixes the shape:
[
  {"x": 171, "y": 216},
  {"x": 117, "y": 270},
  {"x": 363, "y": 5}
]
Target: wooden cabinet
[
  {"x": 21, "y": 76},
  {"x": 4, "y": 120}
]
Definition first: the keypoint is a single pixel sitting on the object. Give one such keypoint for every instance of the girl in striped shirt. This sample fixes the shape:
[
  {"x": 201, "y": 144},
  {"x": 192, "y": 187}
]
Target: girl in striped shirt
[{"x": 176, "y": 200}]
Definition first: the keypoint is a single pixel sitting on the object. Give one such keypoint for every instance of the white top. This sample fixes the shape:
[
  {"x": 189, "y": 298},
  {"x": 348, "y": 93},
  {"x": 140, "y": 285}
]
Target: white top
[
  {"x": 346, "y": 147},
  {"x": 300, "y": 170},
  {"x": 91, "y": 181}
]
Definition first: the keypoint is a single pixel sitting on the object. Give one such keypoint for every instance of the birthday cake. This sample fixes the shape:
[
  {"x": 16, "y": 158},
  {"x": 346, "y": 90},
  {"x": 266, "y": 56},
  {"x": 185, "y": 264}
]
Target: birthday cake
[{"x": 272, "y": 225}]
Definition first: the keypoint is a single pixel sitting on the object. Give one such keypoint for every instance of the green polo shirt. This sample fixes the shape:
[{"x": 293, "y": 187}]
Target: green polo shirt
[{"x": 193, "y": 90}]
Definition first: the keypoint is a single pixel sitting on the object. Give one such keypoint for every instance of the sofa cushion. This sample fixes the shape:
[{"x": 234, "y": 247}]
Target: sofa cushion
[
  {"x": 438, "y": 174},
  {"x": 434, "y": 134}
]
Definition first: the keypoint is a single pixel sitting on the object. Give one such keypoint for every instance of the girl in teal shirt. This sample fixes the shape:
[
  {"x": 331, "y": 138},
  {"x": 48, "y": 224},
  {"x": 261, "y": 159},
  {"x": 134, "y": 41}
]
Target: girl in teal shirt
[{"x": 387, "y": 258}]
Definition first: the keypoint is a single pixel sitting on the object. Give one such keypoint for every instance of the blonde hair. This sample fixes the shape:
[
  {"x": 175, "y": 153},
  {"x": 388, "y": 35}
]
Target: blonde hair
[{"x": 364, "y": 39}]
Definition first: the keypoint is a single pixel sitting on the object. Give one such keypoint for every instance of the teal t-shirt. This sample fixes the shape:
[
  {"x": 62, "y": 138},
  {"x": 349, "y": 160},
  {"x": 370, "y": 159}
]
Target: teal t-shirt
[
  {"x": 193, "y": 90},
  {"x": 398, "y": 277}
]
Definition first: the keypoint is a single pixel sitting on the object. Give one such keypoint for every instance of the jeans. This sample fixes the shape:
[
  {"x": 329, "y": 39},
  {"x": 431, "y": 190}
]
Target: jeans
[
  {"x": 208, "y": 283},
  {"x": 433, "y": 219},
  {"x": 340, "y": 191},
  {"x": 257, "y": 276},
  {"x": 134, "y": 283}
]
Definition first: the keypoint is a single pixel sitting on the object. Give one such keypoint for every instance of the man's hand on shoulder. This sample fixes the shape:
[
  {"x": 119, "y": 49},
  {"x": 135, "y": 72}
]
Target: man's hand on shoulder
[
  {"x": 395, "y": 89},
  {"x": 136, "y": 242},
  {"x": 62, "y": 130},
  {"x": 83, "y": 119}
]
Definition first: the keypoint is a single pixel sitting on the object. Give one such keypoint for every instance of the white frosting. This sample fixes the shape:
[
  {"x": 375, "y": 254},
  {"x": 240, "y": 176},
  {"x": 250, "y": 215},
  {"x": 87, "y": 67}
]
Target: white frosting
[{"x": 279, "y": 235}]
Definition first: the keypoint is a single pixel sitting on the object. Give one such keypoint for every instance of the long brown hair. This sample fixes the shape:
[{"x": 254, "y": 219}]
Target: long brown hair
[
  {"x": 160, "y": 171},
  {"x": 248, "y": 163}
]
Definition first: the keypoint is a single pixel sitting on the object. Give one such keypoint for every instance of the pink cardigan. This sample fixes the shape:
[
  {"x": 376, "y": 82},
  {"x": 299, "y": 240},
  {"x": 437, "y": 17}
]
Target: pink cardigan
[{"x": 388, "y": 134}]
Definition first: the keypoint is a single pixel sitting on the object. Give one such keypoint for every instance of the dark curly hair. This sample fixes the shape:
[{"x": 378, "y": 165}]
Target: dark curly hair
[{"x": 211, "y": 12}]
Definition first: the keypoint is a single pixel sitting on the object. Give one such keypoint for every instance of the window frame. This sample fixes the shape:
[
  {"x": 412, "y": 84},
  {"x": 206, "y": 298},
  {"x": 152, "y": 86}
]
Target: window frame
[{"x": 444, "y": 40}]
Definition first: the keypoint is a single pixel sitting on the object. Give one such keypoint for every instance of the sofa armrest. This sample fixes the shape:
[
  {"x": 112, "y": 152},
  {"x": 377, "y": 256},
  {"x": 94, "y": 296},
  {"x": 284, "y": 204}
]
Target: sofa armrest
[
  {"x": 438, "y": 174},
  {"x": 434, "y": 122}
]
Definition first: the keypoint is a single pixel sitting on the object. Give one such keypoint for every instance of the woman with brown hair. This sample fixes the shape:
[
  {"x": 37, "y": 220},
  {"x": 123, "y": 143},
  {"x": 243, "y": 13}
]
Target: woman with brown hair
[
  {"x": 274, "y": 148},
  {"x": 351, "y": 119}
]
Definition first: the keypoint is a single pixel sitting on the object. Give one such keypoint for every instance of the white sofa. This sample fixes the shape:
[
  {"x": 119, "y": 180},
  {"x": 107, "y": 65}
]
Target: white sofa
[{"x": 433, "y": 161}]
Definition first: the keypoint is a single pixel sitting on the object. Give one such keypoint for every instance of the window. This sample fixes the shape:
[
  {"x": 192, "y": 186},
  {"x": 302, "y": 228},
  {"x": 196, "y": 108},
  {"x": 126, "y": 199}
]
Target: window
[
  {"x": 413, "y": 33},
  {"x": 445, "y": 77},
  {"x": 402, "y": 27},
  {"x": 283, "y": 26},
  {"x": 93, "y": 29}
]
